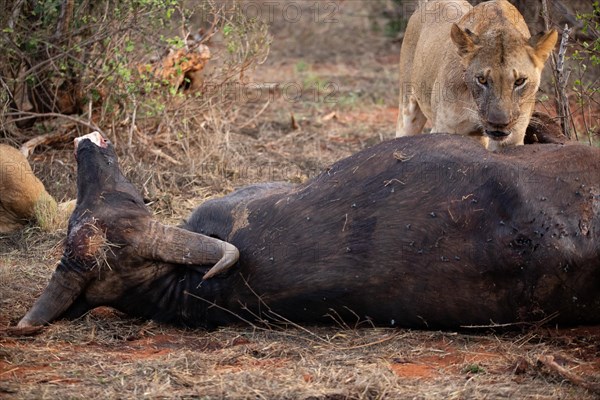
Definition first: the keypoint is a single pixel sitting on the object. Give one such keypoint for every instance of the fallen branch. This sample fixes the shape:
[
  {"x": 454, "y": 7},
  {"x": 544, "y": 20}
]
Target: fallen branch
[
  {"x": 25, "y": 115},
  {"x": 492, "y": 324},
  {"x": 48, "y": 138},
  {"x": 575, "y": 379},
  {"x": 160, "y": 153},
  {"x": 251, "y": 120}
]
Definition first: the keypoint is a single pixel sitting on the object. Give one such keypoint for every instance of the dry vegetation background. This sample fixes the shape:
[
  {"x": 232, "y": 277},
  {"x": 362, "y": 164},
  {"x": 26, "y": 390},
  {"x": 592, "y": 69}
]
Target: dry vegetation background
[{"x": 324, "y": 89}]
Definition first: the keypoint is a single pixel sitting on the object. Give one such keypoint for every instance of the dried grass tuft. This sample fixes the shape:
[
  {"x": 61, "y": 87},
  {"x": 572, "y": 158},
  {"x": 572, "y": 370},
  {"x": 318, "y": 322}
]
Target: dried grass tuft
[{"x": 97, "y": 246}]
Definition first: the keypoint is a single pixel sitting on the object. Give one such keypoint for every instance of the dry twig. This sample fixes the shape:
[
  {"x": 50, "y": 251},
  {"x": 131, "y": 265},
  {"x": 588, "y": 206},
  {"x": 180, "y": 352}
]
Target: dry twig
[
  {"x": 25, "y": 115},
  {"x": 29, "y": 146},
  {"x": 551, "y": 364},
  {"x": 560, "y": 78}
]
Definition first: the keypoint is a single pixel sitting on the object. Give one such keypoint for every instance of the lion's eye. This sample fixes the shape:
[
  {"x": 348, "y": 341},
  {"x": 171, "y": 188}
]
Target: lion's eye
[
  {"x": 520, "y": 82},
  {"x": 482, "y": 80}
]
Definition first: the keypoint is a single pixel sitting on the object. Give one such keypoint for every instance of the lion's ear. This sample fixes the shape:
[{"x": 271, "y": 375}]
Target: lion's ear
[
  {"x": 466, "y": 41},
  {"x": 543, "y": 43}
]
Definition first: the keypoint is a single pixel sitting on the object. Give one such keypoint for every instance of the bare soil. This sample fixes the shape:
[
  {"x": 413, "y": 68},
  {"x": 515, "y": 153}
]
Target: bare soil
[{"x": 327, "y": 90}]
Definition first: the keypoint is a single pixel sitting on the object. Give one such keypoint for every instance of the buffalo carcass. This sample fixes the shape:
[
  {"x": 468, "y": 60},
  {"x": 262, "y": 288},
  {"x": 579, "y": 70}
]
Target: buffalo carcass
[{"x": 425, "y": 232}]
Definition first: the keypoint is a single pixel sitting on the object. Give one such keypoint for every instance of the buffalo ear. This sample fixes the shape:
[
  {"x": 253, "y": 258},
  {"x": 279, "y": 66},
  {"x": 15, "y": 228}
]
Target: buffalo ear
[
  {"x": 543, "y": 43},
  {"x": 465, "y": 40}
]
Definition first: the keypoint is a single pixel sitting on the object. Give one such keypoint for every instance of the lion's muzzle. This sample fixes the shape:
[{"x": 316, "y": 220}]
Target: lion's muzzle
[{"x": 497, "y": 135}]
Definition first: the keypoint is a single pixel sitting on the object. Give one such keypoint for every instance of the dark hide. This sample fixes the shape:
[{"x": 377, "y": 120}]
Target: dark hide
[
  {"x": 430, "y": 231},
  {"x": 544, "y": 129}
]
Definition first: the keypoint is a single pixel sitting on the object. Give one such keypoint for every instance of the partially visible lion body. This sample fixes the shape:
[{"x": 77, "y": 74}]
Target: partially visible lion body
[
  {"x": 470, "y": 70},
  {"x": 22, "y": 195}
]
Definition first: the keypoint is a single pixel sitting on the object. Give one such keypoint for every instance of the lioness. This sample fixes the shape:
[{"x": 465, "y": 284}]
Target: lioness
[
  {"x": 23, "y": 196},
  {"x": 470, "y": 70}
]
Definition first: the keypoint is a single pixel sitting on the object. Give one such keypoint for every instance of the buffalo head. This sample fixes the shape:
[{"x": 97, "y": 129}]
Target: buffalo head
[{"x": 112, "y": 230}]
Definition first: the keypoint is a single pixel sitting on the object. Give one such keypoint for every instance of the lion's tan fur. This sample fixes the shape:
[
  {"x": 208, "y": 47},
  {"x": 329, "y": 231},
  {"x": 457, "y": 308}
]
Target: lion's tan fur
[
  {"x": 442, "y": 67},
  {"x": 22, "y": 194}
]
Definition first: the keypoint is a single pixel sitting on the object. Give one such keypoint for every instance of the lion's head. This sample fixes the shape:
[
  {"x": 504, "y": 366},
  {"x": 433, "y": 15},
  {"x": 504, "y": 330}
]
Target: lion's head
[{"x": 502, "y": 70}]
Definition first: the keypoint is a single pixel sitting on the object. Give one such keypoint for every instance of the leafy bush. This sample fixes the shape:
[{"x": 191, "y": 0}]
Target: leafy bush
[
  {"x": 586, "y": 84},
  {"x": 95, "y": 59}
]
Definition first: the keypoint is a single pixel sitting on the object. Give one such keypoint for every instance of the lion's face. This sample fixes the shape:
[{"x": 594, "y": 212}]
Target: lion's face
[{"x": 502, "y": 72}]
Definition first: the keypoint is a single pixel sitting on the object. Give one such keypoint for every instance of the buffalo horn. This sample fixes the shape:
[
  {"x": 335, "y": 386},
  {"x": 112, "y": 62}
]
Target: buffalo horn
[
  {"x": 180, "y": 246},
  {"x": 62, "y": 290}
]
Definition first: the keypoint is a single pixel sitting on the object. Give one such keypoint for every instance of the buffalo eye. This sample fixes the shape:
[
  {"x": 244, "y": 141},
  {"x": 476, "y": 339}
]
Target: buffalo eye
[
  {"x": 520, "y": 82},
  {"x": 482, "y": 80}
]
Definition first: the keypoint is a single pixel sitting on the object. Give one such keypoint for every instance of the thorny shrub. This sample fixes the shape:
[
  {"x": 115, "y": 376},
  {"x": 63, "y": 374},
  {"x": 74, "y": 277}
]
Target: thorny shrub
[
  {"x": 586, "y": 83},
  {"x": 91, "y": 60}
]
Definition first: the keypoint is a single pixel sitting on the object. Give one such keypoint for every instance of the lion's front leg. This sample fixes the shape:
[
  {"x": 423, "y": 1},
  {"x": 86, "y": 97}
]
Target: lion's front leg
[{"x": 411, "y": 119}]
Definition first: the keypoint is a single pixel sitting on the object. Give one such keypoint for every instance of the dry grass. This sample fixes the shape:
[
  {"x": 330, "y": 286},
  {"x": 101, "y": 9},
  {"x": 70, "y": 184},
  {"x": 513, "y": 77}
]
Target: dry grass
[
  {"x": 105, "y": 355},
  {"x": 193, "y": 151}
]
